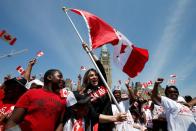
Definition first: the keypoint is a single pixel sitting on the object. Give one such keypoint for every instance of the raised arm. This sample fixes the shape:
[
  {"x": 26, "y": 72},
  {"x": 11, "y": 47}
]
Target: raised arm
[
  {"x": 155, "y": 94},
  {"x": 101, "y": 68},
  {"x": 130, "y": 90},
  {"x": 192, "y": 102},
  {"x": 28, "y": 70}
]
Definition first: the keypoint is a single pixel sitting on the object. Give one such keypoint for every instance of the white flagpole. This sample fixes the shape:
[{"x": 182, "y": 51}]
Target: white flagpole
[{"x": 91, "y": 57}]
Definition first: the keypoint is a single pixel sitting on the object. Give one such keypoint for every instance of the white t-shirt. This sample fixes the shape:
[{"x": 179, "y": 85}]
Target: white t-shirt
[
  {"x": 126, "y": 125},
  {"x": 194, "y": 112},
  {"x": 179, "y": 117},
  {"x": 158, "y": 112},
  {"x": 148, "y": 113}
]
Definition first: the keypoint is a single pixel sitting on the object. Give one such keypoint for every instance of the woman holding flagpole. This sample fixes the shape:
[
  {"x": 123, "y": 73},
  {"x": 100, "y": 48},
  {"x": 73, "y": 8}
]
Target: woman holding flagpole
[{"x": 94, "y": 87}]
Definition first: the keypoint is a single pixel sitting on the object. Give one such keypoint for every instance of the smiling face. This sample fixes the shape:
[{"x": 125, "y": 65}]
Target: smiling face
[
  {"x": 57, "y": 79},
  {"x": 93, "y": 78},
  {"x": 117, "y": 95},
  {"x": 172, "y": 93},
  {"x": 53, "y": 80}
]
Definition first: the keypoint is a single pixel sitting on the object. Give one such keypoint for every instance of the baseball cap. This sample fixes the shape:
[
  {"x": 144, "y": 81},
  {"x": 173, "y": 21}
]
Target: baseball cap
[
  {"x": 75, "y": 97},
  {"x": 116, "y": 88},
  {"x": 35, "y": 81}
]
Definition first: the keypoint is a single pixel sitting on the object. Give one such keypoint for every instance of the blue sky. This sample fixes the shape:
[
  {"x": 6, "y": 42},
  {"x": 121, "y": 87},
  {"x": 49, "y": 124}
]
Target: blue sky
[{"x": 165, "y": 27}]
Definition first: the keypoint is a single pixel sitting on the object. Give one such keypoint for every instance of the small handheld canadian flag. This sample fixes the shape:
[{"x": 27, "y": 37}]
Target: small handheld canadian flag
[
  {"x": 82, "y": 68},
  {"x": 64, "y": 93},
  {"x": 173, "y": 75},
  {"x": 20, "y": 70},
  {"x": 172, "y": 81},
  {"x": 40, "y": 53},
  {"x": 7, "y": 37},
  {"x": 146, "y": 84}
]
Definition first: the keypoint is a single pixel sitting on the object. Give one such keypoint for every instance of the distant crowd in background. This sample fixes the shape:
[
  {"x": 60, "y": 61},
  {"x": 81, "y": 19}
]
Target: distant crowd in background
[{"x": 45, "y": 104}]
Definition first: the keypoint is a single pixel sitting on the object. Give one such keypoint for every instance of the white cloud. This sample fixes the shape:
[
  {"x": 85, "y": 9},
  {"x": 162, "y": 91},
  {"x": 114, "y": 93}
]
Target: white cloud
[{"x": 169, "y": 39}]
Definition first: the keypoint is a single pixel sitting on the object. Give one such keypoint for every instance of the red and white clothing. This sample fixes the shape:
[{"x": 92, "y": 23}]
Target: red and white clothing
[
  {"x": 74, "y": 125},
  {"x": 179, "y": 117},
  {"x": 5, "y": 111},
  {"x": 194, "y": 112},
  {"x": 100, "y": 100},
  {"x": 157, "y": 112},
  {"x": 149, "y": 123},
  {"x": 126, "y": 125},
  {"x": 44, "y": 109}
]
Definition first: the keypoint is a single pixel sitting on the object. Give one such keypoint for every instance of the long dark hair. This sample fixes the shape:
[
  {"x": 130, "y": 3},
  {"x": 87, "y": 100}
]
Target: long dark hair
[{"x": 86, "y": 84}]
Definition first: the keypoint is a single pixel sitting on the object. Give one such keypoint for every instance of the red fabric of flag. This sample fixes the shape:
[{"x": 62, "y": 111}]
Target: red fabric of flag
[
  {"x": 130, "y": 58},
  {"x": 100, "y": 32}
]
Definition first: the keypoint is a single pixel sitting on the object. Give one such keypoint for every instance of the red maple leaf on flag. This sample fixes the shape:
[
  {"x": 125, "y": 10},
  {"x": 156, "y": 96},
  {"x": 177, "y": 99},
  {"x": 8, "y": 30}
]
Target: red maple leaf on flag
[
  {"x": 123, "y": 47},
  {"x": 131, "y": 61},
  {"x": 7, "y": 37},
  {"x": 63, "y": 93}
]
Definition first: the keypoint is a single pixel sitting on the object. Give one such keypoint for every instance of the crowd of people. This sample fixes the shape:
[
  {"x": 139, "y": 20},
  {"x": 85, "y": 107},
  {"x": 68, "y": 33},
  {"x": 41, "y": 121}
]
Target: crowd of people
[{"x": 39, "y": 105}]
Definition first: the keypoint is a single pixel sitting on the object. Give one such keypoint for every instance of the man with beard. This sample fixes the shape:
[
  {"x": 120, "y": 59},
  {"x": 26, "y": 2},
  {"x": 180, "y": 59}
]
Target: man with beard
[
  {"x": 179, "y": 117},
  {"x": 39, "y": 109}
]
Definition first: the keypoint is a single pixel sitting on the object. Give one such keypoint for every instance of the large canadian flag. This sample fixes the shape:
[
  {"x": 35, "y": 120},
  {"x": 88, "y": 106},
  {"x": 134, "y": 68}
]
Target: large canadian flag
[
  {"x": 100, "y": 32},
  {"x": 127, "y": 56}
]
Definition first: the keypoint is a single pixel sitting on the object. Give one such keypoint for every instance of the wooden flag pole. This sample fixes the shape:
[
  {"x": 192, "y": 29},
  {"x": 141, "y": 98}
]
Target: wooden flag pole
[{"x": 91, "y": 57}]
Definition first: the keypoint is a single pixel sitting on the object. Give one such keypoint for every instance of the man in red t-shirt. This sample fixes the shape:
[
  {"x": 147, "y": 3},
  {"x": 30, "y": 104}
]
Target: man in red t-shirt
[{"x": 40, "y": 109}]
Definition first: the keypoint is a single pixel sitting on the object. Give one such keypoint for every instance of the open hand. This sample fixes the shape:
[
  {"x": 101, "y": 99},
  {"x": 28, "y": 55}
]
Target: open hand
[{"x": 121, "y": 117}]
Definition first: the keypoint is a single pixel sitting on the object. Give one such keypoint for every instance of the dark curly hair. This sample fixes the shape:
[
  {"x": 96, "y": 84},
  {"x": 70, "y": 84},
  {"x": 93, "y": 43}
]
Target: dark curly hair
[{"x": 169, "y": 87}]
